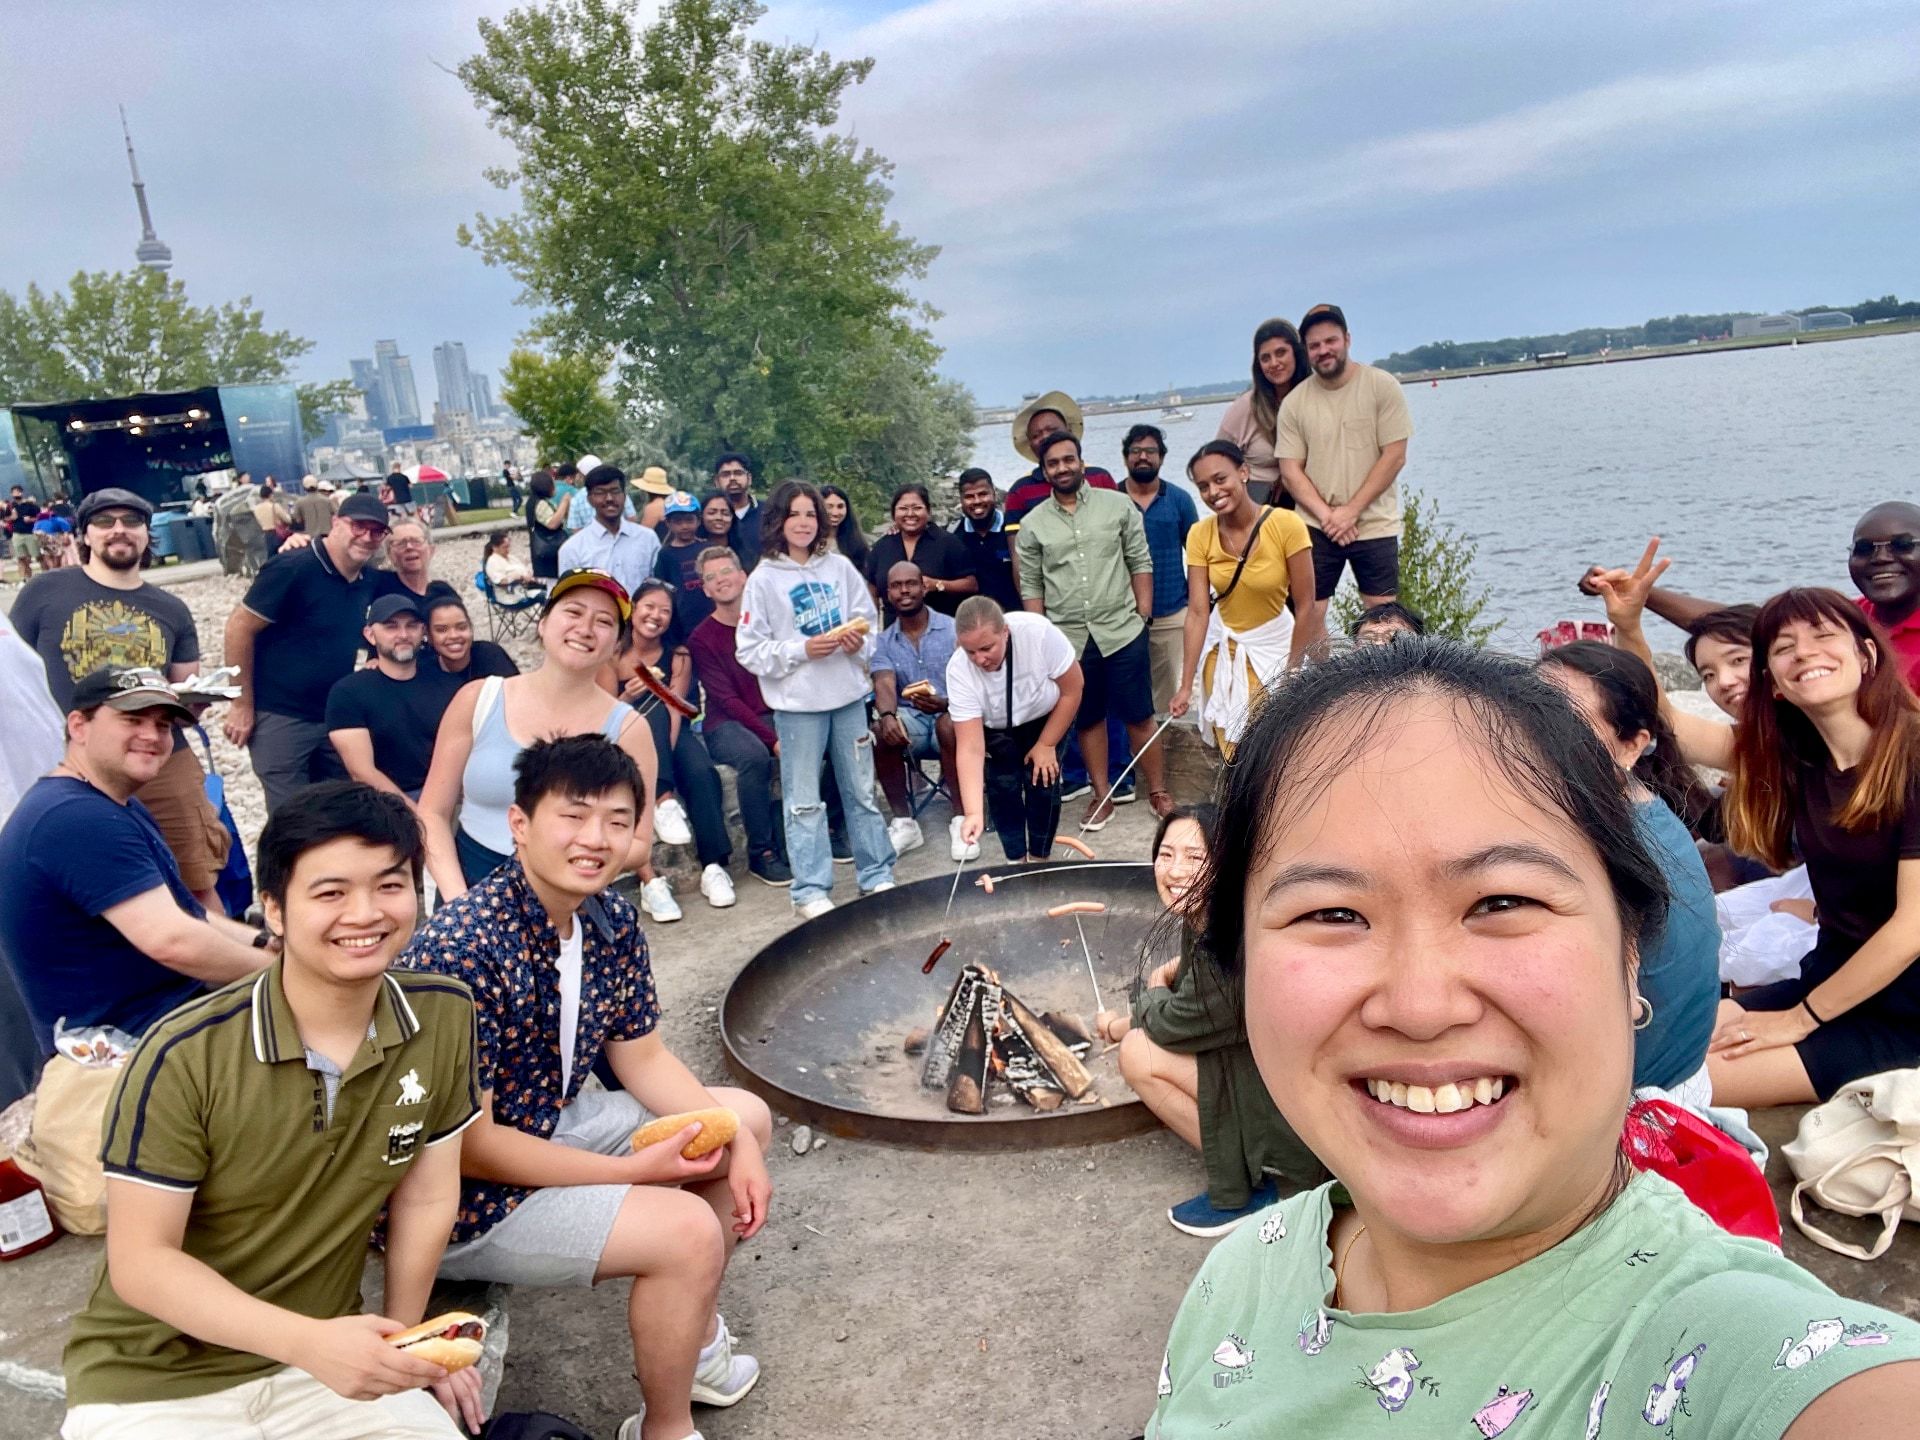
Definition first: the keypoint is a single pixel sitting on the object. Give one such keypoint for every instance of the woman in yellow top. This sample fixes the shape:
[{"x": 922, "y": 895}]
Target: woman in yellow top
[{"x": 1243, "y": 564}]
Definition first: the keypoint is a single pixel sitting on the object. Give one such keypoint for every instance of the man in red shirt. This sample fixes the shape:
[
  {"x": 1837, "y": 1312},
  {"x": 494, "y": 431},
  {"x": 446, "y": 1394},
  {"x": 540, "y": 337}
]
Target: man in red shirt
[
  {"x": 1048, "y": 415},
  {"x": 1884, "y": 562}
]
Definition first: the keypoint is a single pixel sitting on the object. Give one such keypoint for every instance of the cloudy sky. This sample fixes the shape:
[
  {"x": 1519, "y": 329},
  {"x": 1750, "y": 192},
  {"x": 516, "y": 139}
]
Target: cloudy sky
[{"x": 1122, "y": 189}]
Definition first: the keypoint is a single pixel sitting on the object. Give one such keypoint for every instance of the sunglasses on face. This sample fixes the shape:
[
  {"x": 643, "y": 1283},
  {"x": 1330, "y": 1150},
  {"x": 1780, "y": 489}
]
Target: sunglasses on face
[
  {"x": 1901, "y": 545},
  {"x": 116, "y": 522}
]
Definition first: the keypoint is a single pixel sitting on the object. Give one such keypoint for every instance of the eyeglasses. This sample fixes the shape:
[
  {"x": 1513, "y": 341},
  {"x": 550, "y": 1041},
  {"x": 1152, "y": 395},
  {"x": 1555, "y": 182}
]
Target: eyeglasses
[
  {"x": 367, "y": 529},
  {"x": 1901, "y": 545},
  {"x": 119, "y": 520},
  {"x": 1133, "y": 450}
]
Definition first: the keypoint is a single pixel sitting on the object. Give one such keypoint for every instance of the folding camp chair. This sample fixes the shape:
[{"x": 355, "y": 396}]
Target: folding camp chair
[{"x": 507, "y": 619}]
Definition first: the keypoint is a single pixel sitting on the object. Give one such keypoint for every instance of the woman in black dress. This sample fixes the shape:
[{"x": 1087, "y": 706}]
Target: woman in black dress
[{"x": 940, "y": 554}]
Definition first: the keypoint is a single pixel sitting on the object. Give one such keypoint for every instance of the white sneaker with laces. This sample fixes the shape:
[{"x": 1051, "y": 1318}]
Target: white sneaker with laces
[
  {"x": 956, "y": 847},
  {"x": 670, "y": 825},
  {"x": 656, "y": 898},
  {"x": 722, "y": 1377},
  {"x": 717, "y": 886},
  {"x": 814, "y": 909},
  {"x": 880, "y": 889},
  {"x": 905, "y": 835}
]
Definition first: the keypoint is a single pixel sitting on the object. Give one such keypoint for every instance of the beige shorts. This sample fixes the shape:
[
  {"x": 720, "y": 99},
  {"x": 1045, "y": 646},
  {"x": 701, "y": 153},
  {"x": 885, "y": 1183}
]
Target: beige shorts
[
  {"x": 286, "y": 1405},
  {"x": 26, "y": 547},
  {"x": 1166, "y": 646}
]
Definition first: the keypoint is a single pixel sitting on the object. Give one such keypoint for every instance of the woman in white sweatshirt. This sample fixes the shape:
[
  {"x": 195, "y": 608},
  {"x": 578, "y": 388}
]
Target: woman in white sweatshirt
[{"x": 814, "y": 678}]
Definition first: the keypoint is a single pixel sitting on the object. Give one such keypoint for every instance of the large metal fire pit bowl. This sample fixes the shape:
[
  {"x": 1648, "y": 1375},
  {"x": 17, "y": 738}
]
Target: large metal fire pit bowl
[{"x": 814, "y": 1023}]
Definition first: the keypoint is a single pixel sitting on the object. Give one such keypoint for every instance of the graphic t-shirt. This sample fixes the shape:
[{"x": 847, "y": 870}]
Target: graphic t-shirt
[
  {"x": 1651, "y": 1323},
  {"x": 77, "y": 625}
]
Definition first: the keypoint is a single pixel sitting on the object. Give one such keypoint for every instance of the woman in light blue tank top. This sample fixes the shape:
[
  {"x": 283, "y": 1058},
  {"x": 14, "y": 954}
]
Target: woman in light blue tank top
[{"x": 464, "y": 804}]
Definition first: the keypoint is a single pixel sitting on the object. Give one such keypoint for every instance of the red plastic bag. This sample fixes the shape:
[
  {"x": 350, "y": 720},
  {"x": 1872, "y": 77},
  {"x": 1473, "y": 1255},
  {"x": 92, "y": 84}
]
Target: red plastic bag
[{"x": 1711, "y": 1167}]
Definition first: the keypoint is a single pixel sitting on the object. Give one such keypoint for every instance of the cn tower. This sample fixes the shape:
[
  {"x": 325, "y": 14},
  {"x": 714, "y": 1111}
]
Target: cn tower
[{"x": 151, "y": 252}]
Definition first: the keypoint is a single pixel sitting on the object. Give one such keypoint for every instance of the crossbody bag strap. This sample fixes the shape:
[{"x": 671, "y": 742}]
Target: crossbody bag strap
[
  {"x": 1253, "y": 539},
  {"x": 1009, "y": 677}
]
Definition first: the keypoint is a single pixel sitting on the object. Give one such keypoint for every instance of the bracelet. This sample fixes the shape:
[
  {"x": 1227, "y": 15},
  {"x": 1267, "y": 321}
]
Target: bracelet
[
  {"x": 886, "y": 714},
  {"x": 1804, "y": 1005}
]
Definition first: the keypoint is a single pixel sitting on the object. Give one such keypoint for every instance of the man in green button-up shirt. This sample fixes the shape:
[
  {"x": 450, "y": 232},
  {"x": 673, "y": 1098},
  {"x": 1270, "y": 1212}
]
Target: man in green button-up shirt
[{"x": 1085, "y": 565}]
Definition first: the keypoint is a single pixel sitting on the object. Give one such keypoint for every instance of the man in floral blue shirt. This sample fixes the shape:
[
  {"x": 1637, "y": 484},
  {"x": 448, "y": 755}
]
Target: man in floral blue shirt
[{"x": 553, "y": 1194}]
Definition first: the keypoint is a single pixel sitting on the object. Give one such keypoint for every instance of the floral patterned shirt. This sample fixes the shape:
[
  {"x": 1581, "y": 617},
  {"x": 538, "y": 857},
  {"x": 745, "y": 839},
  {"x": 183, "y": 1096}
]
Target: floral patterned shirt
[{"x": 498, "y": 939}]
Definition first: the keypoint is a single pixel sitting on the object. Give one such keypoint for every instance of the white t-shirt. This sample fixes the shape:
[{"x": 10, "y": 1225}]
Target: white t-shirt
[
  {"x": 1041, "y": 655},
  {"x": 569, "y": 965}
]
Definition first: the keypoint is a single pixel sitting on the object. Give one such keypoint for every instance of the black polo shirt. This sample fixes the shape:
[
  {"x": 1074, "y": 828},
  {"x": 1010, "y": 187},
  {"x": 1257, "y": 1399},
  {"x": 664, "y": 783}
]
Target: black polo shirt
[
  {"x": 990, "y": 551},
  {"x": 937, "y": 552},
  {"x": 314, "y": 617},
  {"x": 388, "y": 582}
]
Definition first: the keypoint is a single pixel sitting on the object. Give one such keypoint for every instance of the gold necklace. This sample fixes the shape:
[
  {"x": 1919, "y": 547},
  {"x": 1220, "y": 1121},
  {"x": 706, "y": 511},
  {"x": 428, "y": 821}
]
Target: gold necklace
[{"x": 1340, "y": 1265}]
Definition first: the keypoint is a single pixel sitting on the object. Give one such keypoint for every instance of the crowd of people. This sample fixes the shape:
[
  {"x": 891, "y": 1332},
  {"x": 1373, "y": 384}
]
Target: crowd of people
[{"x": 1447, "y": 916}]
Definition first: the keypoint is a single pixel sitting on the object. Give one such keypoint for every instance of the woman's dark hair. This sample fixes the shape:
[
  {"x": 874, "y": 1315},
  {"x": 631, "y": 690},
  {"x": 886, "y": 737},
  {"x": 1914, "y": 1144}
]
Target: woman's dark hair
[
  {"x": 773, "y": 517},
  {"x": 847, "y": 534},
  {"x": 540, "y": 484},
  {"x": 1266, "y": 395},
  {"x": 1534, "y": 735},
  {"x": 578, "y": 767},
  {"x": 1730, "y": 626},
  {"x": 494, "y": 537},
  {"x": 1205, "y": 815},
  {"x": 266, "y": 492},
  {"x": 1775, "y": 741},
  {"x": 1630, "y": 703},
  {"x": 336, "y": 810},
  {"x": 440, "y": 600},
  {"x": 1226, "y": 449}
]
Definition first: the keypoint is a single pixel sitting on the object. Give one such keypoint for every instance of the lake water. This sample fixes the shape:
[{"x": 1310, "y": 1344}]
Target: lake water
[{"x": 1752, "y": 466}]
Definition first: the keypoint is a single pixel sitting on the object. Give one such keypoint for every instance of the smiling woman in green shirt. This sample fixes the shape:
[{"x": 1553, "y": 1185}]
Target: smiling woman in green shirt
[{"x": 1427, "y": 874}]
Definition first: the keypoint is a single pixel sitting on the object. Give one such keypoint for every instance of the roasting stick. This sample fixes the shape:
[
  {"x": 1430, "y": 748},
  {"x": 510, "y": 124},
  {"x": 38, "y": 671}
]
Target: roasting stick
[
  {"x": 1027, "y": 872},
  {"x": 1129, "y": 770},
  {"x": 1098, "y": 1003},
  {"x": 941, "y": 948}
]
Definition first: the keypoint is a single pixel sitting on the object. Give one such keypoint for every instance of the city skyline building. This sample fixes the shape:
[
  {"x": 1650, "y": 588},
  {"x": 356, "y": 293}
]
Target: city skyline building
[
  {"x": 482, "y": 397},
  {"x": 396, "y": 378},
  {"x": 151, "y": 252},
  {"x": 366, "y": 379},
  {"x": 452, "y": 379}
]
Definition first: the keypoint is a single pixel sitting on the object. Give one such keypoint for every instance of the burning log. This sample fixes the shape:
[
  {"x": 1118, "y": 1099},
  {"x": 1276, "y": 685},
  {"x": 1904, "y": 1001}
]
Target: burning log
[{"x": 984, "y": 1033}]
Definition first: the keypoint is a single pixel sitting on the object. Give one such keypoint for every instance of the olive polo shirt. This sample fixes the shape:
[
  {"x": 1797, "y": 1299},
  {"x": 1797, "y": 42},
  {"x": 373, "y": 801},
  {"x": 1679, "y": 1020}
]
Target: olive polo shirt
[
  {"x": 220, "y": 1102},
  {"x": 1081, "y": 563}
]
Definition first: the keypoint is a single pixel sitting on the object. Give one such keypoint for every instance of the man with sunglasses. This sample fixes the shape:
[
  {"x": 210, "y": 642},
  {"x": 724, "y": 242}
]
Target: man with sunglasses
[
  {"x": 105, "y": 614},
  {"x": 296, "y": 633},
  {"x": 1884, "y": 563}
]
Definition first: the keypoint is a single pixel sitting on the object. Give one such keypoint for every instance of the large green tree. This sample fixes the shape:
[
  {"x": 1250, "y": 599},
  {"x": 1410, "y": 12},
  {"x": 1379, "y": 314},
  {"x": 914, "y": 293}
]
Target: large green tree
[
  {"x": 563, "y": 403},
  {"x": 124, "y": 332},
  {"x": 687, "y": 205}
]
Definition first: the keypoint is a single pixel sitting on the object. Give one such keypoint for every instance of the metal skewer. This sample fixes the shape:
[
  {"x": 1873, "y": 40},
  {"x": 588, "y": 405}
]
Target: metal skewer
[
  {"x": 1098, "y": 1003},
  {"x": 1126, "y": 772},
  {"x": 1025, "y": 872},
  {"x": 958, "y": 871}
]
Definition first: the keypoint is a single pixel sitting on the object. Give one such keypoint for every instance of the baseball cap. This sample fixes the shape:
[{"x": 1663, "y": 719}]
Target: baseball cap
[
  {"x": 388, "y": 606},
  {"x": 112, "y": 498},
  {"x": 1320, "y": 314},
  {"x": 587, "y": 464},
  {"x": 654, "y": 481},
  {"x": 591, "y": 579},
  {"x": 325, "y": 487},
  {"x": 129, "y": 688},
  {"x": 681, "y": 503},
  {"x": 358, "y": 506}
]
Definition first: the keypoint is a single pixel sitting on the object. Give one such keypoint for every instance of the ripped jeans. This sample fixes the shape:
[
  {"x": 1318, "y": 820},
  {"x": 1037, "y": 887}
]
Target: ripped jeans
[{"x": 806, "y": 737}]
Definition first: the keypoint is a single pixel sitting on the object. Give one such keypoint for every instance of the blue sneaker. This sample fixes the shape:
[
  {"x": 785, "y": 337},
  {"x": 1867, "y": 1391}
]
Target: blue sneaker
[{"x": 1200, "y": 1216}]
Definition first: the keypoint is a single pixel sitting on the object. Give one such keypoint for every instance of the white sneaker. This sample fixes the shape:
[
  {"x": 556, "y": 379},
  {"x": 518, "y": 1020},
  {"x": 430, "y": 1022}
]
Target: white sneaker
[
  {"x": 717, "y": 886},
  {"x": 722, "y": 1377},
  {"x": 814, "y": 909},
  {"x": 656, "y": 898},
  {"x": 630, "y": 1428},
  {"x": 670, "y": 825},
  {"x": 880, "y": 889},
  {"x": 956, "y": 847},
  {"x": 905, "y": 835}
]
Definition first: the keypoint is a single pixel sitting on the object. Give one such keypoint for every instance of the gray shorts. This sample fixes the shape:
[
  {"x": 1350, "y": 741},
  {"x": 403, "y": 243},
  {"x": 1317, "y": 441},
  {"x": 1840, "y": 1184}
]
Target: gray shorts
[{"x": 556, "y": 1236}]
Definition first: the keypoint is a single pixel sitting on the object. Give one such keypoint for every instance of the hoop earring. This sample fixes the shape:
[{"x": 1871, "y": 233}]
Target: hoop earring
[{"x": 1642, "y": 1012}]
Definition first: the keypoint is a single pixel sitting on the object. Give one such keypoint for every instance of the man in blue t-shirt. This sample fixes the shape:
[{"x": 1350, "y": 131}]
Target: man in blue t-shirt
[{"x": 96, "y": 924}]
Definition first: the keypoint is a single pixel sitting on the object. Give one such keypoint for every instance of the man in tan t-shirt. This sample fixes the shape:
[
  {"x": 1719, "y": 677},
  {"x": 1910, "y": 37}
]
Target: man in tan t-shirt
[{"x": 1341, "y": 445}]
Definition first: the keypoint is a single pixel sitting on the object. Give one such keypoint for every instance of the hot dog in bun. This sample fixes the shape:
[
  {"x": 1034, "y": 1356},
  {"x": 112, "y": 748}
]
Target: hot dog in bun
[
  {"x": 452, "y": 1341},
  {"x": 856, "y": 626},
  {"x": 717, "y": 1127}
]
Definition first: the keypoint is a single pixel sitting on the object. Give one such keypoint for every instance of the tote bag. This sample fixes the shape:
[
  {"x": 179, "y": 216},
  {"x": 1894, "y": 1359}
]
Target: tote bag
[{"x": 1856, "y": 1155}]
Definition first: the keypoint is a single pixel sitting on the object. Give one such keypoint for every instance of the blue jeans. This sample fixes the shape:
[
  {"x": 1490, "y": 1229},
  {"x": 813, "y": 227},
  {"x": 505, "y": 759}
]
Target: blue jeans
[{"x": 806, "y": 737}]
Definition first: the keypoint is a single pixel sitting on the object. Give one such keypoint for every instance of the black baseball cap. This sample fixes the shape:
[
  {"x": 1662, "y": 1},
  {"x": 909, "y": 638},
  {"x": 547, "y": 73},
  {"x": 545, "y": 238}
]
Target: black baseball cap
[
  {"x": 1321, "y": 315},
  {"x": 359, "y": 506},
  {"x": 112, "y": 498},
  {"x": 129, "y": 688},
  {"x": 388, "y": 607}
]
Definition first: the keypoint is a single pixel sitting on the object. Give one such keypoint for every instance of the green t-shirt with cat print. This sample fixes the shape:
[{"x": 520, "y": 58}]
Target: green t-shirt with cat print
[{"x": 1650, "y": 1322}]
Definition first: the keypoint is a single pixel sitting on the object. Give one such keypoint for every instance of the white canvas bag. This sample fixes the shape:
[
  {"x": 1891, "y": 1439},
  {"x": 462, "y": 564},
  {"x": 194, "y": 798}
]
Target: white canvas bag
[{"x": 1859, "y": 1154}]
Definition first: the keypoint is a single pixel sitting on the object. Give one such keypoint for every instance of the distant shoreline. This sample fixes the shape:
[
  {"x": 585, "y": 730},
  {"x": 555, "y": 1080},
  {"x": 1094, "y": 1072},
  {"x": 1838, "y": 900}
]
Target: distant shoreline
[{"x": 1002, "y": 415}]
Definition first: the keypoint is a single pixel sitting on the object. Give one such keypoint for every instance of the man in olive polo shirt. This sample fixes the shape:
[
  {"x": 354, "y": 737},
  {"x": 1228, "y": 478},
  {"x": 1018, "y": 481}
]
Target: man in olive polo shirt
[
  {"x": 249, "y": 1146},
  {"x": 1085, "y": 564}
]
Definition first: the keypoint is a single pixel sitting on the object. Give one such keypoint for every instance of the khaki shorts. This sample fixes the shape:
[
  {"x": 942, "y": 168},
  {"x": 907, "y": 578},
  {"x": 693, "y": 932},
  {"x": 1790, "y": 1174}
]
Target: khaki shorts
[
  {"x": 289, "y": 1404},
  {"x": 177, "y": 798},
  {"x": 1167, "y": 644},
  {"x": 26, "y": 547}
]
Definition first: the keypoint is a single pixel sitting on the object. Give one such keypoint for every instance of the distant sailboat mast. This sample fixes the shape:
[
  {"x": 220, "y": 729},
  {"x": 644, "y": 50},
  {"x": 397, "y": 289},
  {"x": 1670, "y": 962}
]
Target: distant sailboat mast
[{"x": 151, "y": 252}]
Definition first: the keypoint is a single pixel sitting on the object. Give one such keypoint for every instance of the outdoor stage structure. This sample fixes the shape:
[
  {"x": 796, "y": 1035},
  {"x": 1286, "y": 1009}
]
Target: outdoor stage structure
[{"x": 160, "y": 443}]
